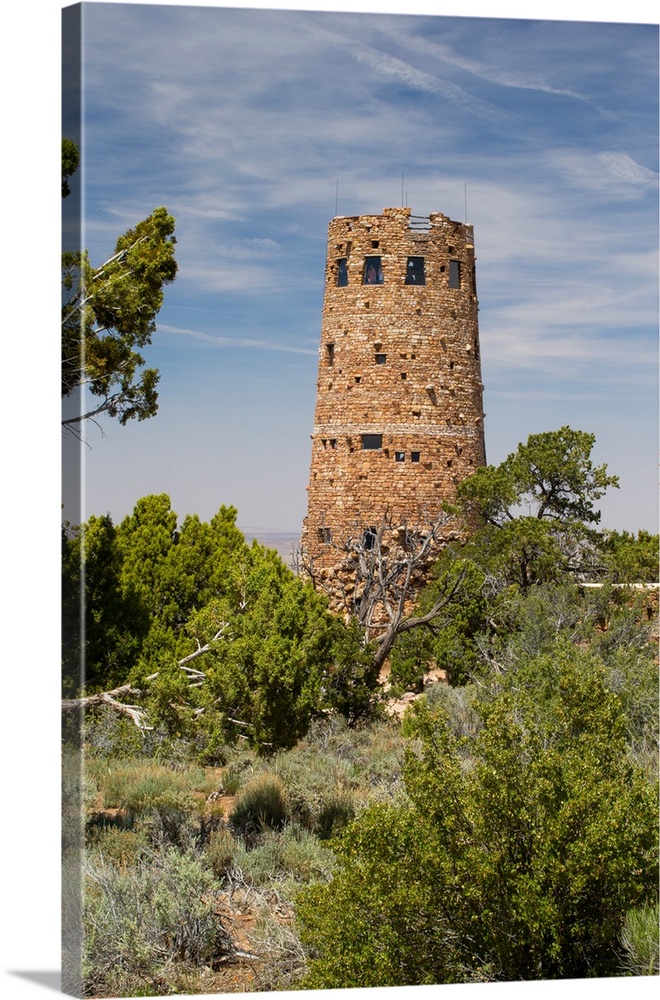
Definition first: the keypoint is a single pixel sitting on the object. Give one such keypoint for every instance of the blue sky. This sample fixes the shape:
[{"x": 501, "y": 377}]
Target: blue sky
[{"x": 242, "y": 122}]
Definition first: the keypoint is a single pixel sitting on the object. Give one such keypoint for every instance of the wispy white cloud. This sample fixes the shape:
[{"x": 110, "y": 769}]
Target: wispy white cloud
[
  {"x": 393, "y": 68},
  {"x": 603, "y": 172},
  {"x": 244, "y": 343},
  {"x": 485, "y": 70},
  {"x": 511, "y": 342},
  {"x": 407, "y": 75},
  {"x": 623, "y": 167}
]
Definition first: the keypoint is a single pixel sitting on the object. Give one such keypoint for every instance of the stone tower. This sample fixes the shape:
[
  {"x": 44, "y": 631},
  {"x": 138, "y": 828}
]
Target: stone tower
[{"x": 399, "y": 406}]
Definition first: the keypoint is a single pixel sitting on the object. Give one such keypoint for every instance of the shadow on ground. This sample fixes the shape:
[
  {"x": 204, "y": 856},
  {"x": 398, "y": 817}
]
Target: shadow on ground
[{"x": 50, "y": 980}]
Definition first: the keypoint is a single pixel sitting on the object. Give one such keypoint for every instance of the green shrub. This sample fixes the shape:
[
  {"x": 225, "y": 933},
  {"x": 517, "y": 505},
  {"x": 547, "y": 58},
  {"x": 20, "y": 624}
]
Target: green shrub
[
  {"x": 335, "y": 814},
  {"x": 168, "y": 800},
  {"x": 640, "y": 940},
  {"x": 459, "y": 704},
  {"x": 236, "y": 772},
  {"x": 312, "y": 781},
  {"x": 123, "y": 847},
  {"x": 219, "y": 852},
  {"x": 284, "y": 859},
  {"x": 141, "y": 787},
  {"x": 140, "y": 919},
  {"x": 337, "y": 769},
  {"x": 519, "y": 852},
  {"x": 260, "y": 805},
  {"x": 106, "y": 733},
  {"x": 286, "y": 956}
]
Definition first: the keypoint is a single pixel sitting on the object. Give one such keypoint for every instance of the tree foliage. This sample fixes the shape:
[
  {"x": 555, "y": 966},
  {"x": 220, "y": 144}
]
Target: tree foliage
[
  {"x": 534, "y": 513},
  {"x": 146, "y": 600},
  {"x": 551, "y": 475},
  {"x": 104, "y": 619},
  {"x": 108, "y": 312},
  {"x": 521, "y": 851},
  {"x": 446, "y": 641},
  {"x": 630, "y": 558},
  {"x": 70, "y": 160}
]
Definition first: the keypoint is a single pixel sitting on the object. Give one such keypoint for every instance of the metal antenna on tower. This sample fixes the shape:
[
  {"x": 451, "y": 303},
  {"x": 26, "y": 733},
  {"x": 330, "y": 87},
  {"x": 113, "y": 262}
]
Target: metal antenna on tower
[
  {"x": 402, "y": 201},
  {"x": 336, "y": 197},
  {"x": 465, "y": 216}
]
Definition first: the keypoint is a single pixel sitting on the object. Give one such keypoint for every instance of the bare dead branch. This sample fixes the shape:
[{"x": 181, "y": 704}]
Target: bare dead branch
[
  {"x": 134, "y": 712},
  {"x": 203, "y": 649},
  {"x": 379, "y": 573},
  {"x": 137, "y": 714}
]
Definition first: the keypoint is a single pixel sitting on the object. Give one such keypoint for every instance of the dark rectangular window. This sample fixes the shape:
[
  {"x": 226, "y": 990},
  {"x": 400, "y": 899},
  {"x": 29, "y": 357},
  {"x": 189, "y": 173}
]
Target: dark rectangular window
[
  {"x": 454, "y": 274},
  {"x": 381, "y": 359},
  {"x": 373, "y": 272},
  {"x": 399, "y": 456},
  {"x": 415, "y": 271},
  {"x": 325, "y": 535},
  {"x": 372, "y": 442},
  {"x": 369, "y": 538},
  {"x": 414, "y": 456},
  {"x": 330, "y": 354},
  {"x": 342, "y": 272}
]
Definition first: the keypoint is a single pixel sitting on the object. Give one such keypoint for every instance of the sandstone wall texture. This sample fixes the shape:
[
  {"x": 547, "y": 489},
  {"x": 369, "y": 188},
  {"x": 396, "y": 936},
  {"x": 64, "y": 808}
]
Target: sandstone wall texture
[{"x": 399, "y": 411}]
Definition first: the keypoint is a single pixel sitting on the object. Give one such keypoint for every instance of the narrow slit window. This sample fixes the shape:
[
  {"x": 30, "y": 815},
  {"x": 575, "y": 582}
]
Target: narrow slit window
[
  {"x": 373, "y": 272},
  {"x": 330, "y": 354},
  {"x": 415, "y": 271},
  {"x": 342, "y": 272},
  {"x": 454, "y": 274},
  {"x": 372, "y": 442}
]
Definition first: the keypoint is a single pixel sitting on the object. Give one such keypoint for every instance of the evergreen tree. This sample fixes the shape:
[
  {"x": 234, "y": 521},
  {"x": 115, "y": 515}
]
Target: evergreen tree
[{"x": 109, "y": 314}]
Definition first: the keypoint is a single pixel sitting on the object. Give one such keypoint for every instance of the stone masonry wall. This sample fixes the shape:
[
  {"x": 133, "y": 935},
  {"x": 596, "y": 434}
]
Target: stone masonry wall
[{"x": 399, "y": 410}]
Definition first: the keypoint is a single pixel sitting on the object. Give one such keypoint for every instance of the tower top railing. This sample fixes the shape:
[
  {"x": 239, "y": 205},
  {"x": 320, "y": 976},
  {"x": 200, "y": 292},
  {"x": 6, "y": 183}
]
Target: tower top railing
[{"x": 419, "y": 223}]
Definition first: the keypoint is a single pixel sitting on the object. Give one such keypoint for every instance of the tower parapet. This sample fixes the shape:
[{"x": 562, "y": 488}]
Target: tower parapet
[{"x": 399, "y": 407}]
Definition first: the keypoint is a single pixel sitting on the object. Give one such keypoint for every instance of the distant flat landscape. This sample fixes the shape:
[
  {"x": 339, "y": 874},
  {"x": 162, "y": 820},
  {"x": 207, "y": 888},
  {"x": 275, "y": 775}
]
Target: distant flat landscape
[{"x": 284, "y": 542}]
